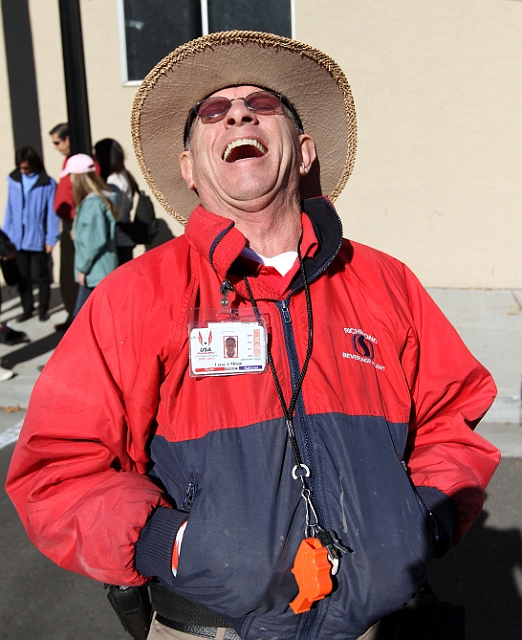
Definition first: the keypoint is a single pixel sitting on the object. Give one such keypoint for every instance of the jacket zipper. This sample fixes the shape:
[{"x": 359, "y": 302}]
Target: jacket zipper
[
  {"x": 294, "y": 368},
  {"x": 283, "y": 305},
  {"x": 285, "y": 311}
]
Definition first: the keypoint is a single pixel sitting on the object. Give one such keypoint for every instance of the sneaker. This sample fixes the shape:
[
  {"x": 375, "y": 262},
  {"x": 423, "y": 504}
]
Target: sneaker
[
  {"x": 5, "y": 374},
  {"x": 44, "y": 317},
  {"x": 12, "y": 336},
  {"x": 25, "y": 316}
]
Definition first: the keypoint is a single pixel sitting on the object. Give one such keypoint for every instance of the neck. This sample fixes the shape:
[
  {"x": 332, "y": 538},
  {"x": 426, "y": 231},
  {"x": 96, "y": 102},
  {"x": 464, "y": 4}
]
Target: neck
[
  {"x": 271, "y": 237},
  {"x": 270, "y": 231}
]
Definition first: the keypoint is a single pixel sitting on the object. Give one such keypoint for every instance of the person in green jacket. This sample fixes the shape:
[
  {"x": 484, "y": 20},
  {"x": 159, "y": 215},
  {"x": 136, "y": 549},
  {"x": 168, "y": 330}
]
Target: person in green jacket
[{"x": 94, "y": 226}]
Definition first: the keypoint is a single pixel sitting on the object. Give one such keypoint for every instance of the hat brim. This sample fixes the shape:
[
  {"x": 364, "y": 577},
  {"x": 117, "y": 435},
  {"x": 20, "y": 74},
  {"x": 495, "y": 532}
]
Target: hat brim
[{"x": 313, "y": 83}]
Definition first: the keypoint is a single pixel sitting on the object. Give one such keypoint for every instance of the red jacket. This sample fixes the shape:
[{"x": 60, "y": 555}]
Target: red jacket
[
  {"x": 63, "y": 198},
  {"x": 391, "y": 395}
]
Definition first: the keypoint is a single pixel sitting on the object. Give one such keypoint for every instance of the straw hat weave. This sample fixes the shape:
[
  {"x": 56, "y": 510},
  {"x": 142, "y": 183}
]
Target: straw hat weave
[{"x": 313, "y": 83}]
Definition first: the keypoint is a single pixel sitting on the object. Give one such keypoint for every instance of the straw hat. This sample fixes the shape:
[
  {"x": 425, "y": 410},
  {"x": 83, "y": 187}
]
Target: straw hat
[{"x": 313, "y": 83}]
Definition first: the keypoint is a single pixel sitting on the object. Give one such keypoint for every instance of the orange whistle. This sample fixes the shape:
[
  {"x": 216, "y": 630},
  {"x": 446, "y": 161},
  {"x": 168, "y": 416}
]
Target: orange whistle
[{"x": 312, "y": 574}]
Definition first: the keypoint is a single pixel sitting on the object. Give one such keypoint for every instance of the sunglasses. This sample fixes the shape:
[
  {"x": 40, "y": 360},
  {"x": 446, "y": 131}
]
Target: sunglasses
[
  {"x": 216, "y": 106},
  {"x": 259, "y": 102}
]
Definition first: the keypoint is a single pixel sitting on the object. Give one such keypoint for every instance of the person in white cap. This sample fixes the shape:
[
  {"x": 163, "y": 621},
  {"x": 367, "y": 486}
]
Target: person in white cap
[
  {"x": 298, "y": 489},
  {"x": 94, "y": 226}
]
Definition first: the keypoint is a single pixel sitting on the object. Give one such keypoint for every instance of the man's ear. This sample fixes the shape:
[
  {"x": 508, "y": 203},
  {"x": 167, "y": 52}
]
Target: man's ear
[
  {"x": 308, "y": 153},
  {"x": 185, "y": 162}
]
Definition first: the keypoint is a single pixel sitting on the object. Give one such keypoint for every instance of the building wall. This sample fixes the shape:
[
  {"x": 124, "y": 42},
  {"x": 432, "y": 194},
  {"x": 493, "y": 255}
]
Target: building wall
[
  {"x": 110, "y": 101},
  {"x": 438, "y": 92},
  {"x": 437, "y": 87}
]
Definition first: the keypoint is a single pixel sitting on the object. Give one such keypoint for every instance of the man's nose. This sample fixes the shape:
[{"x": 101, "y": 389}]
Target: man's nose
[{"x": 239, "y": 113}]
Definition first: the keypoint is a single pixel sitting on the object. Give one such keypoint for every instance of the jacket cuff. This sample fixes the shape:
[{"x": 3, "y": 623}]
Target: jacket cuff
[
  {"x": 446, "y": 515},
  {"x": 153, "y": 556}
]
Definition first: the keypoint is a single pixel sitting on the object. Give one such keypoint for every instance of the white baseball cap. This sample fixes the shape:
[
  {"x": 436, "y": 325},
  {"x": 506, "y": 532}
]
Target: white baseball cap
[{"x": 79, "y": 163}]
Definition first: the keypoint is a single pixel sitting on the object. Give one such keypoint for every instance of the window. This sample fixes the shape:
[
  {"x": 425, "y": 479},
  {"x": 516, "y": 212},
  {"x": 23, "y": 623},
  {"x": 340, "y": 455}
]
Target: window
[{"x": 150, "y": 29}]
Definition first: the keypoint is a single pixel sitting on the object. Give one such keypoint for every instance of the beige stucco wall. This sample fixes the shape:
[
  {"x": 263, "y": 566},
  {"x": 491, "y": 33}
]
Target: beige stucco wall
[{"x": 438, "y": 91}]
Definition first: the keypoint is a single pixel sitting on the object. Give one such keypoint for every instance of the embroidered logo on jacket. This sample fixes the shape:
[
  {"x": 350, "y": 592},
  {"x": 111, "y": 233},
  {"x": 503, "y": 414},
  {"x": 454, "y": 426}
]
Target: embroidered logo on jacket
[{"x": 363, "y": 347}]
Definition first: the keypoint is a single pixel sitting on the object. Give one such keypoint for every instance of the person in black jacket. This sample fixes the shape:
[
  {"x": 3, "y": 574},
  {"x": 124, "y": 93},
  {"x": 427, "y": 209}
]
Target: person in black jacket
[{"x": 10, "y": 271}]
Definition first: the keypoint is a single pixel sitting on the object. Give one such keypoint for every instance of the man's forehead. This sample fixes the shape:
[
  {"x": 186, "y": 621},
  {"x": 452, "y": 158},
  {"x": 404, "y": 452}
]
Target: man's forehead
[{"x": 249, "y": 88}]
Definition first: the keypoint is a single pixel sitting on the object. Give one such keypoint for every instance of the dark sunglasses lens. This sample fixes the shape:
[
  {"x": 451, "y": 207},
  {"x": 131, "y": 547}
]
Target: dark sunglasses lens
[
  {"x": 212, "y": 107},
  {"x": 263, "y": 101}
]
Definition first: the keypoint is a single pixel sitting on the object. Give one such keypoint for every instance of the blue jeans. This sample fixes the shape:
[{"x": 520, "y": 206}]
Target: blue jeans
[{"x": 83, "y": 294}]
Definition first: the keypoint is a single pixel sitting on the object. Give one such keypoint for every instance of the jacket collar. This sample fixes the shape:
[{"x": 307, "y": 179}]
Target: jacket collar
[
  {"x": 43, "y": 178},
  {"x": 218, "y": 241}
]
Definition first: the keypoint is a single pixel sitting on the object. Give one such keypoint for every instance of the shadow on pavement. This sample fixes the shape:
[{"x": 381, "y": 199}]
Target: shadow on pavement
[
  {"x": 39, "y": 600},
  {"x": 32, "y": 350},
  {"x": 482, "y": 572}
]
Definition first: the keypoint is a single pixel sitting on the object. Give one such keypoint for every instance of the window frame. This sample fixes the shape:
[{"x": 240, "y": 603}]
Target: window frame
[{"x": 204, "y": 23}]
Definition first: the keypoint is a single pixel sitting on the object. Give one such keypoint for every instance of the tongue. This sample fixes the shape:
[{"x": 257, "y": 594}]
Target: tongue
[{"x": 242, "y": 152}]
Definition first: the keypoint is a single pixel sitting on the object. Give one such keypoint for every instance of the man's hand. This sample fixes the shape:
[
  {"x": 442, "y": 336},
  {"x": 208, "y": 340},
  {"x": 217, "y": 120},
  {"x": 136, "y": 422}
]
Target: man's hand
[
  {"x": 48, "y": 248},
  {"x": 81, "y": 278}
]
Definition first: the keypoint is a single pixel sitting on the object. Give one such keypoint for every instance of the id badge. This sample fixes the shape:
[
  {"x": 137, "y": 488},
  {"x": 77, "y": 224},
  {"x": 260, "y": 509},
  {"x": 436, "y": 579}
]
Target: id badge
[{"x": 227, "y": 344}]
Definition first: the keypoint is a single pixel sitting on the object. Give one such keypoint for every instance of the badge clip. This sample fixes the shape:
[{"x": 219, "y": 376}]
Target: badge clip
[{"x": 312, "y": 573}]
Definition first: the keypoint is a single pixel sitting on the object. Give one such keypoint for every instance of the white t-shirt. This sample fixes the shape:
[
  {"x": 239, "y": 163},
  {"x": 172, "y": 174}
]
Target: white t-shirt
[{"x": 281, "y": 263}]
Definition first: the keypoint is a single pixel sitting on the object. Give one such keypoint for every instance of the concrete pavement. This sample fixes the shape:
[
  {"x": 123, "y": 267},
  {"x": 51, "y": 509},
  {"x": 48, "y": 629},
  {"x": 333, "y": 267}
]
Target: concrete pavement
[{"x": 490, "y": 323}]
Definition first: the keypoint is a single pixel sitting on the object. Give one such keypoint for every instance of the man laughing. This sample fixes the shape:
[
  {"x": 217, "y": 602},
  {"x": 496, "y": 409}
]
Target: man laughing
[{"x": 299, "y": 489}]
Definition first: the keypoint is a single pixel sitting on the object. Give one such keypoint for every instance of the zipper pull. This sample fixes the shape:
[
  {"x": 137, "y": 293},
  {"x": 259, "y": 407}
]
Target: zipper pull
[
  {"x": 190, "y": 494},
  {"x": 286, "y": 311},
  {"x": 225, "y": 289}
]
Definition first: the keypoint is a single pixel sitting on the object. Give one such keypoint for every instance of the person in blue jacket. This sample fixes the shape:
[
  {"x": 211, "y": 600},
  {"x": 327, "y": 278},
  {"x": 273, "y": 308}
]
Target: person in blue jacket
[{"x": 33, "y": 227}]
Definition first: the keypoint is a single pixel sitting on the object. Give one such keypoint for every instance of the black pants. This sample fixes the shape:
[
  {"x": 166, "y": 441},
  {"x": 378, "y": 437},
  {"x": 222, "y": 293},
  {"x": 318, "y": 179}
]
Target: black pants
[{"x": 36, "y": 262}]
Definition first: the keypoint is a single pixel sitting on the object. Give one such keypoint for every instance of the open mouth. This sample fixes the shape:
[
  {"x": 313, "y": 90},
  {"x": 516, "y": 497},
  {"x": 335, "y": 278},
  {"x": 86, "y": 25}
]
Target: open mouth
[{"x": 244, "y": 149}]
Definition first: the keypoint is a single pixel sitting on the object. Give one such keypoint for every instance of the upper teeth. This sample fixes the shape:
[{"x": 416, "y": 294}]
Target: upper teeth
[{"x": 241, "y": 143}]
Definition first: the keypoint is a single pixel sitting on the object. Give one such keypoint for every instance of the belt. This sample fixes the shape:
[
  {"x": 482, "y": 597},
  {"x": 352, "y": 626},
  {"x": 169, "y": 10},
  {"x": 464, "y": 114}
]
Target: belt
[
  {"x": 198, "y": 630},
  {"x": 183, "y": 615}
]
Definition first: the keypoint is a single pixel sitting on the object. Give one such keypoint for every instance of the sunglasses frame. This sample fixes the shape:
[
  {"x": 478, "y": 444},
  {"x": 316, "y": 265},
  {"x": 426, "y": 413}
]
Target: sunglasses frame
[
  {"x": 283, "y": 102},
  {"x": 197, "y": 106}
]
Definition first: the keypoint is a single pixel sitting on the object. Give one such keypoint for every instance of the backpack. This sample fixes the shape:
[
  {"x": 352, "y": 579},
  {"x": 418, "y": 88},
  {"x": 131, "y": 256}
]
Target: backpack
[
  {"x": 144, "y": 226},
  {"x": 9, "y": 268}
]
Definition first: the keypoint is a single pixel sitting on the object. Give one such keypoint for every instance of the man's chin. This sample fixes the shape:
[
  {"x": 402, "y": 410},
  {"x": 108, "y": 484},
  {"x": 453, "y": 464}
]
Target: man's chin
[
  {"x": 250, "y": 203},
  {"x": 253, "y": 198}
]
